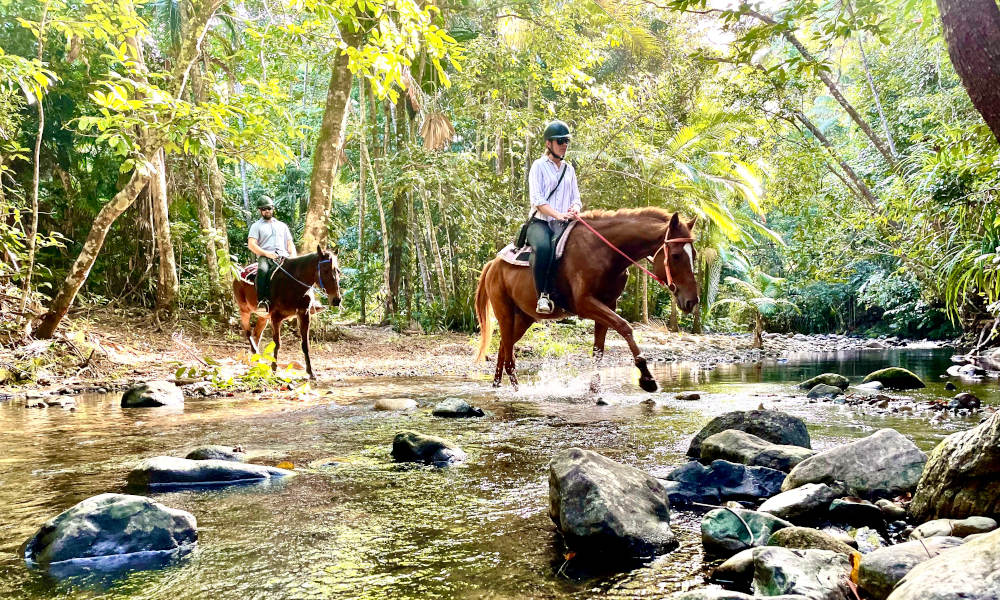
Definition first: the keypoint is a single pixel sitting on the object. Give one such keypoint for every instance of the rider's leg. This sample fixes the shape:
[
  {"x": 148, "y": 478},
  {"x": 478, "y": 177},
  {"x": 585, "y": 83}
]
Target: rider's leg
[
  {"x": 540, "y": 239},
  {"x": 263, "y": 281}
]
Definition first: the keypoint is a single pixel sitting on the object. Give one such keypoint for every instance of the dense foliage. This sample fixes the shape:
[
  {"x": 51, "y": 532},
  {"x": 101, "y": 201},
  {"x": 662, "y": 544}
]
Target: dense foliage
[{"x": 830, "y": 147}]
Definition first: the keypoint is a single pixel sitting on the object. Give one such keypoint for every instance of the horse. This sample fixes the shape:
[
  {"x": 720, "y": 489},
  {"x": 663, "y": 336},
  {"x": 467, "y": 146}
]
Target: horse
[
  {"x": 590, "y": 278},
  {"x": 290, "y": 286}
]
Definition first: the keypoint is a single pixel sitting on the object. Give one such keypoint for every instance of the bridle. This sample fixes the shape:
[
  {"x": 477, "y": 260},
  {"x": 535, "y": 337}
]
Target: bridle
[
  {"x": 319, "y": 275},
  {"x": 666, "y": 256}
]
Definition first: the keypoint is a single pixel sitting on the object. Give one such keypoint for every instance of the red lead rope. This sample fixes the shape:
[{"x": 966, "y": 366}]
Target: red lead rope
[{"x": 669, "y": 284}]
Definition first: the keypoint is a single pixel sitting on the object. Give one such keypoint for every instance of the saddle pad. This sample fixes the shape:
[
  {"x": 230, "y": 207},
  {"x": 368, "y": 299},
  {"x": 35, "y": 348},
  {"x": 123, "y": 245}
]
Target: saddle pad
[
  {"x": 519, "y": 256},
  {"x": 249, "y": 273}
]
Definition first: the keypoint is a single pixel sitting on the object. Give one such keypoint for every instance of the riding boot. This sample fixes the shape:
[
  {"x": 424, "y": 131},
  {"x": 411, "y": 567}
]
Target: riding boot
[{"x": 265, "y": 268}]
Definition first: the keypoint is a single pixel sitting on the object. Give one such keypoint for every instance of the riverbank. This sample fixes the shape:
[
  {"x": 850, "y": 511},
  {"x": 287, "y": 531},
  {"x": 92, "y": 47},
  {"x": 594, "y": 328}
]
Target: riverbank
[{"x": 109, "y": 351}]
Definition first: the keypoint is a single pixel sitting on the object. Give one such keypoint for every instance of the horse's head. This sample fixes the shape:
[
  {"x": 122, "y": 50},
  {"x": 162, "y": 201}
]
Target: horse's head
[
  {"x": 329, "y": 274},
  {"x": 679, "y": 259}
]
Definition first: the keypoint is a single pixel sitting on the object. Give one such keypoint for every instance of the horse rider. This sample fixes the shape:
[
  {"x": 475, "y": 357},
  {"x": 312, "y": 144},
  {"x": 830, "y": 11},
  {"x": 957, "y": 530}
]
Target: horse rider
[
  {"x": 555, "y": 200},
  {"x": 271, "y": 241}
]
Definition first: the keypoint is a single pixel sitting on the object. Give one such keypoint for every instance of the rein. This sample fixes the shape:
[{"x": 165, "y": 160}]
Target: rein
[
  {"x": 319, "y": 279},
  {"x": 669, "y": 284}
]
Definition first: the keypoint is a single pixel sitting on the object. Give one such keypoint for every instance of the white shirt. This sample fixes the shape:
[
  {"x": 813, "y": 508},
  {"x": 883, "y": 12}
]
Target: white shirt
[
  {"x": 271, "y": 236},
  {"x": 543, "y": 177}
]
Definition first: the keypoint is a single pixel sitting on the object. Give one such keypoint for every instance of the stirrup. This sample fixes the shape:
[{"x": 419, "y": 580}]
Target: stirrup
[
  {"x": 544, "y": 306},
  {"x": 263, "y": 307}
]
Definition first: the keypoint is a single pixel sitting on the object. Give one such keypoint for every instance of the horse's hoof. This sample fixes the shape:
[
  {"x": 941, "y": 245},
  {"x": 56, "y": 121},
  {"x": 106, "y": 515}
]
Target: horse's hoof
[{"x": 648, "y": 385}]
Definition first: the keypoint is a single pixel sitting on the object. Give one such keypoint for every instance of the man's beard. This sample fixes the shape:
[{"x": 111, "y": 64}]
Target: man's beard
[{"x": 266, "y": 217}]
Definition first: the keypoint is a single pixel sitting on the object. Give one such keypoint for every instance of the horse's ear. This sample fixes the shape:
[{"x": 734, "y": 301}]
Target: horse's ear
[
  {"x": 675, "y": 220},
  {"x": 335, "y": 250},
  {"x": 692, "y": 223},
  {"x": 319, "y": 250}
]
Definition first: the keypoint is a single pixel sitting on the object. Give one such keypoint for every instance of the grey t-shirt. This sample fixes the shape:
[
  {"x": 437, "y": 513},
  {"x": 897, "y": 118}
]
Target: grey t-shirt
[{"x": 271, "y": 236}]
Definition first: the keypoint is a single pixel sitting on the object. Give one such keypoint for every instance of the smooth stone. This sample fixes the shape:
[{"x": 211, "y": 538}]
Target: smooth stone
[
  {"x": 410, "y": 446},
  {"x": 217, "y": 453},
  {"x": 774, "y": 426},
  {"x": 822, "y": 390},
  {"x": 736, "y": 571},
  {"x": 883, "y": 464},
  {"x": 724, "y": 530},
  {"x": 960, "y": 479},
  {"x": 608, "y": 509},
  {"x": 745, "y": 448},
  {"x": 688, "y": 396},
  {"x": 153, "y": 393},
  {"x": 871, "y": 386},
  {"x": 970, "y": 571},
  {"x": 966, "y": 401},
  {"x": 868, "y": 540},
  {"x": 456, "y": 408},
  {"x": 950, "y": 386},
  {"x": 395, "y": 404},
  {"x": 722, "y": 480},
  {"x": 715, "y": 594},
  {"x": 959, "y": 528},
  {"x": 856, "y": 512},
  {"x": 882, "y": 569},
  {"x": 890, "y": 510},
  {"x": 807, "y": 503},
  {"x": 171, "y": 471},
  {"x": 816, "y": 574},
  {"x": 896, "y": 378},
  {"x": 832, "y": 379},
  {"x": 111, "y": 530},
  {"x": 807, "y": 537}
]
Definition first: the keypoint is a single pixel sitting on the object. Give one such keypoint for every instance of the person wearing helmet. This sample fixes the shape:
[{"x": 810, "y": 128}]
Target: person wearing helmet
[
  {"x": 555, "y": 200},
  {"x": 270, "y": 240}
]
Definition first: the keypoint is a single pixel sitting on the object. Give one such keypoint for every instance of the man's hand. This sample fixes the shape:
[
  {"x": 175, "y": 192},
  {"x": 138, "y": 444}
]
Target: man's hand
[{"x": 572, "y": 214}]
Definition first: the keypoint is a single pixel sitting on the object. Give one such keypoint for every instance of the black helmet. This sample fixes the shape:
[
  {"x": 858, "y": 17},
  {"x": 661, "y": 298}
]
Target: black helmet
[
  {"x": 265, "y": 202},
  {"x": 556, "y": 129}
]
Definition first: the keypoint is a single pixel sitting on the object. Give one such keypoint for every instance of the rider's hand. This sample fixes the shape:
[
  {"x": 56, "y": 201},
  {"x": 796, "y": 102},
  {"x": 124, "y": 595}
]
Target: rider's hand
[{"x": 572, "y": 214}]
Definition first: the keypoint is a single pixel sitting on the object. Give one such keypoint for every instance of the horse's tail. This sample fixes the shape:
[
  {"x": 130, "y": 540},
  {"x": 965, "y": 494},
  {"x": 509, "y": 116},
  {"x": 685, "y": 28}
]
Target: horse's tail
[{"x": 483, "y": 313}]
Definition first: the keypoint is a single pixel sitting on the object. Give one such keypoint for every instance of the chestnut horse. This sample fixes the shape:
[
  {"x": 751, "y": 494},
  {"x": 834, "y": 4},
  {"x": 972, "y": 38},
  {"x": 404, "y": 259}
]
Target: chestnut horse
[
  {"x": 290, "y": 285},
  {"x": 590, "y": 277}
]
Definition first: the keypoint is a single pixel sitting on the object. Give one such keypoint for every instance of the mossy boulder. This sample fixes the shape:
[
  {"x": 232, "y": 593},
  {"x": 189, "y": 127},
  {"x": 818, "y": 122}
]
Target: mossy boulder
[
  {"x": 826, "y": 379},
  {"x": 896, "y": 378}
]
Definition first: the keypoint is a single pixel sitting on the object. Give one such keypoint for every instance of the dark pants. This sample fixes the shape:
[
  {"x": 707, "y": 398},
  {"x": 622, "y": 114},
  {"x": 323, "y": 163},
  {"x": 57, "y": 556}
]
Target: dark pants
[
  {"x": 542, "y": 237},
  {"x": 265, "y": 268}
]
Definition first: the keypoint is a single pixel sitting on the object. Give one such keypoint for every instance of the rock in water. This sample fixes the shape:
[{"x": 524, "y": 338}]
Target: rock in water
[
  {"x": 965, "y": 400},
  {"x": 970, "y": 571},
  {"x": 774, "y": 426},
  {"x": 816, "y": 574},
  {"x": 170, "y": 471},
  {"x": 153, "y": 393},
  {"x": 716, "y": 594},
  {"x": 954, "y": 528},
  {"x": 217, "y": 453},
  {"x": 722, "y": 480},
  {"x": 883, "y": 464},
  {"x": 960, "y": 479},
  {"x": 805, "y": 538},
  {"x": 112, "y": 531},
  {"x": 827, "y": 379},
  {"x": 410, "y": 446},
  {"x": 821, "y": 390},
  {"x": 738, "y": 446},
  {"x": 882, "y": 569},
  {"x": 456, "y": 408},
  {"x": 726, "y": 531},
  {"x": 388, "y": 404},
  {"x": 805, "y": 504},
  {"x": 606, "y": 509},
  {"x": 896, "y": 378}
]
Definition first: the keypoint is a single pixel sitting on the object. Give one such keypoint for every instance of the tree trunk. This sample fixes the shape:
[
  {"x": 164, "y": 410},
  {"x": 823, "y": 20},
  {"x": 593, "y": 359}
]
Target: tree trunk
[
  {"x": 673, "y": 326},
  {"x": 362, "y": 193},
  {"x": 329, "y": 145},
  {"x": 758, "y": 331},
  {"x": 788, "y": 34},
  {"x": 435, "y": 249},
  {"x": 972, "y": 30},
  {"x": 858, "y": 182},
  {"x": 167, "y": 284},
  {"x": 645, "y": 299},
  {"x": 216, "y": 183},
  {"x": 205, "y": 201}
]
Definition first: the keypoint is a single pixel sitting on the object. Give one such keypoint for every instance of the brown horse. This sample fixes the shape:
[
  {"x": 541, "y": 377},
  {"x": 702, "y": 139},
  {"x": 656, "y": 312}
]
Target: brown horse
[
  {"x": 591, "y": 276},
  {"x": 290, "y": 285}
]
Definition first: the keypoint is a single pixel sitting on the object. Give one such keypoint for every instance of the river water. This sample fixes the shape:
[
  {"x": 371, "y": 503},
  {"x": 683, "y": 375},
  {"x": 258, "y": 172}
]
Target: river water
[{"x": 353, "y": 524}]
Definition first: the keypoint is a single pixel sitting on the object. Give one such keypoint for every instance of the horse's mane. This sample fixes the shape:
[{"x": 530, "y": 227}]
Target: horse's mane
[
  {"x": 294, "y": 262},
  {"x": 647, "y": 212}
]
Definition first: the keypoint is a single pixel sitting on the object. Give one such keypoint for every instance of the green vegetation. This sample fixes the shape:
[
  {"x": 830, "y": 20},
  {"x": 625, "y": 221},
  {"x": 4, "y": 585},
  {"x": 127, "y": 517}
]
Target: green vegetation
[{"x": 830, "y": 146}]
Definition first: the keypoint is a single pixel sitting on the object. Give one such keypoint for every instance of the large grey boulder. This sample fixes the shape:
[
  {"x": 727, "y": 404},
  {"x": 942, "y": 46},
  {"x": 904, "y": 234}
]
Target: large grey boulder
[
  {"x": 896, "y": 378},
  {"x": 882, "y": 569},
  {"x": 954, "y": 527},
  {"x": 885, "y": 463},
  {"x": 736, "y": 571},
  {"x": 826, "y": 379},
  {"x": 806, "y": 538},
  {"x": 970, "y": 571},
  {"x": 815, "y": 574},
  {"x": 456, "y": 408},
  {"x": 716, "y": 594},
  {"x": 605, "y": 508},
  {"x": 805, "y": 504},
  {"x": 410, "y": 446},
  {"x": 170, "y": 471},
  {"x": 821, "y": 390},
  {"x": 235, "y": 454},
  {"x": 738, "y": 446},
  {"x": 960, "y": 479},
  {"x": 152, "y": 393},
  {"x": 721, "y": 480},
  {"x": 774, "y": 426},
  {"x": 110, "y": 530},
  {"x": 726, "y": 531}
]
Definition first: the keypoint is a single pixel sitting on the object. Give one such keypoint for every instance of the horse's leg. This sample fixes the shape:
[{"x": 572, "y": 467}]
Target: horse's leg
[
  {"x": 504, "y": 313},
  {"x": 303, "y": 316},
  {"x": 521, "y": 324},
  {"x": 258, "y": 332},
  {"x": 590, "y": 307},
  {"x": 600, "y": 333},
  {"x": 276, "y": 322},
  {"x": 245, "y": 326}
]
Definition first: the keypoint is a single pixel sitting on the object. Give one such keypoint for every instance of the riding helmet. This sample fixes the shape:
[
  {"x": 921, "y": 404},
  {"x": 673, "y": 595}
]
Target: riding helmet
[
  {"x": 265, "y": 202},
  {"x": 556, "y": 129}
]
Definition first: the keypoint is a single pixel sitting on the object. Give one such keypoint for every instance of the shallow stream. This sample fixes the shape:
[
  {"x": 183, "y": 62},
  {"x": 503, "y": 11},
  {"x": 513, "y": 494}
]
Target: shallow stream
[{"x": 365, "y": 527}]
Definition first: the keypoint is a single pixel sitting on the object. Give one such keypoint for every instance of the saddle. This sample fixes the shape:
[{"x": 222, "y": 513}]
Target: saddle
[
  {"x": 519, "y": 256},
  {"x": 248, "y": 275}
]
